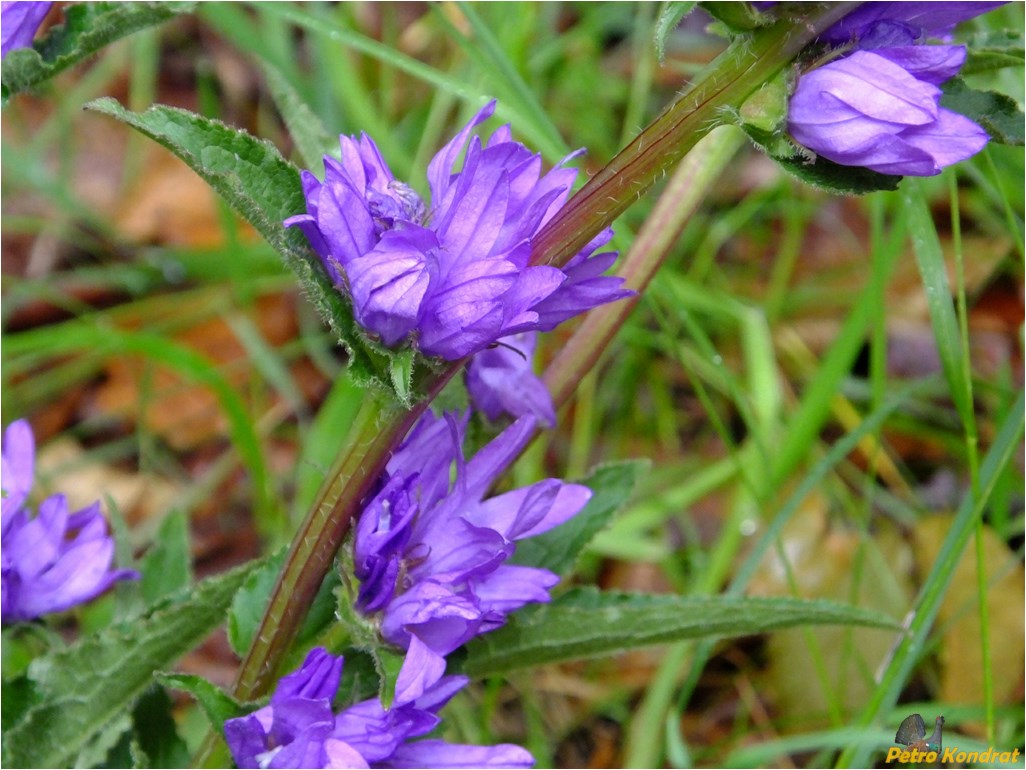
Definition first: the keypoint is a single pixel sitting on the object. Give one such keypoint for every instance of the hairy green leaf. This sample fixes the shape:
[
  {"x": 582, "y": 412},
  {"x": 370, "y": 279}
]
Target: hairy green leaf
[
  {"x": 87, "y": 28},
  {"x": 586, "y": 623},
  {"x": 558, "y": 549},
  {"x": 81, "y": 688},
  {"x": 256, "y": 181},
  {"x": 670, "y": 16},
  {"x": 109, "y": 746},
  {"x": 835, "y": 178}
]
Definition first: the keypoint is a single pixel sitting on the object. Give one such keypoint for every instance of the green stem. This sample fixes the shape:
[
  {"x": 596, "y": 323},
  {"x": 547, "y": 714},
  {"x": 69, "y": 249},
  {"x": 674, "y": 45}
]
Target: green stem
[
  {"x": 377, "y": 428},
  {"x": 729, "y": 80},
  {"x": 972, "y": 452}
]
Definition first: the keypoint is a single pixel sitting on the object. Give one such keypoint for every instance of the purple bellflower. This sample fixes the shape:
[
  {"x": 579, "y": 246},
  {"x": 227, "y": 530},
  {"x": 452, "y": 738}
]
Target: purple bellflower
[
  {"x": 19, "y": 22},
  {"x": 501, "y": 380},
  {"x": 879, "y": 106},
  {"x": 431, "y": 554},
  {"x": 299, "y": 727},
  {"x": 455, "y": 273},
  {"x": 866, "y": 110},
  {"x": 55, "y": 560}
]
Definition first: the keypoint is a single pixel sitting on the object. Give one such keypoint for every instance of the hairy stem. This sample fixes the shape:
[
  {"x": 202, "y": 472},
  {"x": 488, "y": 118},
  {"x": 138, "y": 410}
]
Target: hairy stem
[{"x": 377, "y": 429}]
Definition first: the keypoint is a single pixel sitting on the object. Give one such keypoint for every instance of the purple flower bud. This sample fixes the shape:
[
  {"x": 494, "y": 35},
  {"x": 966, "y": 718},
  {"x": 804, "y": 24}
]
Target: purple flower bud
[
  {"x": 454, "y": 273},
  {"x": 19, "y": 22},
  {"x": 53, "y": 561},
  {"x": 868, "y": 110},
  {"x": 431, "y": 555},
  {"x": 501, "y": 380},
  {"x": 299, "y": 728}
]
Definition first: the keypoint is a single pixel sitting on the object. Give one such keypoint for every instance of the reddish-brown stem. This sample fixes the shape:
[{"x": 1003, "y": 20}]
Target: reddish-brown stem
[{"x": 368, "y": 445}]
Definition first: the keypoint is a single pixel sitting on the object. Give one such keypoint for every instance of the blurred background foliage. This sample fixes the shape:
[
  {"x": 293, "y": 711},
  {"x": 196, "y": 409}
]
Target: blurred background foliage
[{"x": 168, "y": 363}]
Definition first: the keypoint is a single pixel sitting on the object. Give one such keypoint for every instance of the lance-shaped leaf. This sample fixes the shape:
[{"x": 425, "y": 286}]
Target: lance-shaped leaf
[
  {"x": 167, "y": 566},
  {"x": 835, "y": 178},
  {"x": 77, "y": 690},
  {"x": 87, "y": 28},
  {"x": 265, "y": 189},
  {"x": 586, "y": 623}
]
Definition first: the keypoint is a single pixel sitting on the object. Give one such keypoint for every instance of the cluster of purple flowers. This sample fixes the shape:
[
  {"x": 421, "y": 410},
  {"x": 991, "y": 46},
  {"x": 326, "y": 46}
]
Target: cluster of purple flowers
[
  {"x": 56, "y": 559},
  {"x": 300, "y": 728},
  {"x": 20, "y": 20},
  {"x": 431, "y": 555},
  {"x": 455, "y": 274},
  {"x": 878, "y": 106},
  {"x": 430, "y": 547}
]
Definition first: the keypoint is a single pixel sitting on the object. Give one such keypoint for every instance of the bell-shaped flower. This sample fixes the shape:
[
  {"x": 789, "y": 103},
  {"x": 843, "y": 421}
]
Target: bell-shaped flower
[
  {"x": 453, "y": 274},
  {"x": 879, "y": 106},
  {"x": 56, "y": 559},
  {"x": 867, "y": 110},
  {"x": 431, "y": 554},
  {"x": 300, "y": 729}
]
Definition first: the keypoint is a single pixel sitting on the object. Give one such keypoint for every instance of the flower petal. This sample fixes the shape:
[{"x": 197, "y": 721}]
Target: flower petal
[
  {"x": 437, "y": 754},
  {"x": 930, "y": 63},
  {"x": 440, "y": 168},
  {"x": 390, "y": 282}
]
